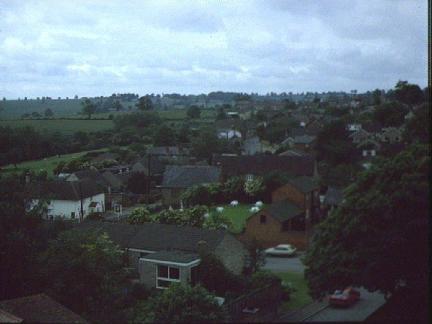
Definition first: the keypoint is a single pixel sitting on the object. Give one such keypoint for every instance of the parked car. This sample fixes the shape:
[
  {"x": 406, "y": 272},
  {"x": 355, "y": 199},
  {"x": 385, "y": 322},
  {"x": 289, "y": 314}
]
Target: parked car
[
  {"x": 345, "y": 298},
  {"x": 281, "y": 250}
]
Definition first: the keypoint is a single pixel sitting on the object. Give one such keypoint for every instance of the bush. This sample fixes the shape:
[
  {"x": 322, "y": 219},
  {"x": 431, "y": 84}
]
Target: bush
[{"x": 263, "y": 278}]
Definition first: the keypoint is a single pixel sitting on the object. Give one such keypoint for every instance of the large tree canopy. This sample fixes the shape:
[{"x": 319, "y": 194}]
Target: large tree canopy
[
  {"x": 378, "y": 237},
  {"x": 408, "y": 93}
]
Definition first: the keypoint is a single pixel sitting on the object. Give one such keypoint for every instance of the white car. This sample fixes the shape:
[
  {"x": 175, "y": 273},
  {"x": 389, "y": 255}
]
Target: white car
[{"x": 281, "y": 250}]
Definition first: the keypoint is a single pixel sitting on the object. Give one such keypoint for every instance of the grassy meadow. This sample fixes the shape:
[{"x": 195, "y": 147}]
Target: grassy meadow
[
  {"x": 47, "y": 164},
  {"x": 64, "y": 126}
]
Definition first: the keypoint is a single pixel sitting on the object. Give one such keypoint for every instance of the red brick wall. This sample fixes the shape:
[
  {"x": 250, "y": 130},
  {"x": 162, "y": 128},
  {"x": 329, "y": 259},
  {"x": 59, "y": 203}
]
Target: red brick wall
[{"x": 270, "y": 233}]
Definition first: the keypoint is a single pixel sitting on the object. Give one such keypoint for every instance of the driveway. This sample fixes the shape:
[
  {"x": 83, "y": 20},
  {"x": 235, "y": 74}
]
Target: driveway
[{"x": 284, "y": 264}]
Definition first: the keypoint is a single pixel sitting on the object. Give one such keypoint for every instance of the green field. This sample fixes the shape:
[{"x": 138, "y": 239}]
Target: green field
[
  {"x": 47, "y": 164},
  {"x": 300, "y": 297},
  {"x": 238, "y": 216},
  {"x": 64, "y": 126},
  {"x": 14, "y": 109}
]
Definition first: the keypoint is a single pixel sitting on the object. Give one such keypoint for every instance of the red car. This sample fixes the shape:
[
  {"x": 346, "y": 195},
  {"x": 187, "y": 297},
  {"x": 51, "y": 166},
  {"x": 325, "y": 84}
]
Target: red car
[{"x": 344, "y": 298}]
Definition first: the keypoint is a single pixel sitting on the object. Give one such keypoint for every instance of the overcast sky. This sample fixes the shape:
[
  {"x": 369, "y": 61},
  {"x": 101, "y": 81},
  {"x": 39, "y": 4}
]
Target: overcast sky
[{"x": 91, "y": 48}]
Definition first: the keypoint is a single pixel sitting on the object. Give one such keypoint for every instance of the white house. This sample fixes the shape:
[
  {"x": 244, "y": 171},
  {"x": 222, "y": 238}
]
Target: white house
[
  {"x": 66, "y": 199},
  {"x": 229, "y": 134}
]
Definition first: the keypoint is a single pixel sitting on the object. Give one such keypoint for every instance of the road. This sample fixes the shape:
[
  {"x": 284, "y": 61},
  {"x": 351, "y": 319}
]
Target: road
[{"x": 284, "y": 264}]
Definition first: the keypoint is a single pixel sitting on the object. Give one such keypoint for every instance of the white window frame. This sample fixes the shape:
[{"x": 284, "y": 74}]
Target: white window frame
[
  {"x": 249, "y": 177},
  {"x": 164, "y": 278}
]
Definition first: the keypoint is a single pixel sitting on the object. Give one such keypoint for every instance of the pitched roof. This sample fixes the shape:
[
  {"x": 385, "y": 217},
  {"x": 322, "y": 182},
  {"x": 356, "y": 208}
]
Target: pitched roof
[
  {"x": 293, "y": 152},
  {"x": 304, "y": 139},
  {"x": 92, "y": 175},
  {"x": 157, "y": 237},
  {"x": 64, "y": 190},
  {"x": 40, "y": 308},
  {"x": 173, "y": 256},
  {"x": 263, "y": 164},
  {"x": 283, "y": 210},
  {"x": 113, "y": 180},
  {"x": 186, "y": 176},
  {"x": 304, "y": 184}
]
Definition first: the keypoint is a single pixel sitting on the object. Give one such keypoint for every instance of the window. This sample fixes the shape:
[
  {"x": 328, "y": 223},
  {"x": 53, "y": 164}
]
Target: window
[
  {"x": 249, "y": 177},
  {"x": 166, "y": 275},
  {"x": 263, "y": 219},
  {"x": 73, "y": 215}
]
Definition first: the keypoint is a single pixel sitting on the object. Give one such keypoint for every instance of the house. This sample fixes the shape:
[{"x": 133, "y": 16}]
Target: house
[
  {"x": 390, "y": 135},
  {"x": 92, "y": 175},
  {"x": 290, "y": 217},
  {"x": 168, "y": 151},
  {"x": 149, "y": 165},
  {"x": 228, "y": 134},
  {"x": 163, "y": 253},
  {"x": 293, "y": 152},
  {"x": 259, "y": 165},
  {"x": 73, "y": 200},
  {"x": 332, "y": 198},
  {"x": 304, "y": 142},
  {"x": 353, "y": 127},
  {"x": 369, "y": 147},
  {"x": 252, "y": 146},
  {"x": 176, "y": 179},
  {"x": 360, "y": 136},
  {"x": 38, "y": 308}
]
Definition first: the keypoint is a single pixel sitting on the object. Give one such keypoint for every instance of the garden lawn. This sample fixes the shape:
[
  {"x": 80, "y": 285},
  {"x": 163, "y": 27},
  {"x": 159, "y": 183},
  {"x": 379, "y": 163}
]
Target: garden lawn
[
  {"x": 47, "y": 164},
  {"x": 238, "y": 216},
  {"x": 300, "y": 297}
]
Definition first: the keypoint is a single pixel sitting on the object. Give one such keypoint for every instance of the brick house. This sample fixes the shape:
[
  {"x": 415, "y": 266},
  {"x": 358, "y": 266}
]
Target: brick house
[
  {"x": 163, "y": 253},
  {"x": 290, "y": 217}
]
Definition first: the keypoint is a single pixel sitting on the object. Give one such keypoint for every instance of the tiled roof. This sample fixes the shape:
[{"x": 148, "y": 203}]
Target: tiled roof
[
  {"x": 157, "y": 237},
  {"x": 304, "y": 184},
  {"x": 41, "y": 309},
  {"x": 283, "y": 210},
  {"x": 189, "y": 175},
  {"x": 263, "y": 164},
  {"x": 173, "y": 256},
  {"x": 304, "y": 139},
  {"x": 64, "y": 190}
]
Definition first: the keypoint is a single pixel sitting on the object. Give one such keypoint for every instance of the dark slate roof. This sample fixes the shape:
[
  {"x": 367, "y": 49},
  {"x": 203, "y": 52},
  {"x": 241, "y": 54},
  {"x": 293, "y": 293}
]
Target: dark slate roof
[
  {"x": 113, "y": 180},
  {"x": 41, "y": 309},
  {"x": 173, "y": 256},
  {"x": 167, "y": 150},
  {"x": 283, "y": 210},
  {"x": 304, "y": 184},
  {"x": 92, "y": 175},
  {"x": 64, "y": 190},
  {"x": 156, "y": 165},
  {"x": 263, "y": 164},
  {"x": 297, "y": 131},
  {"x": 293, "y": 152},
  {"x": 304, "y": 139},
  {"x": 186, "y": 176},
  {"x": 157, "y": 237},
  {"x": 333, "y": 196}
]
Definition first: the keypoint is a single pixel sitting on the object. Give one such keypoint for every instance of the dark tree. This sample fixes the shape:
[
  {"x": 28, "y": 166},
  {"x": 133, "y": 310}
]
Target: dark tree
[
  {"x": 407, "y": 93},
  {"x": 49, "y": 113},
  {"x": 138, "y": 183},
  {"x": 378, "y": 238},
  {"x": 145, "y": 103},
  {"x": 390, "y": 114},
  {"x": 193, "y": 112},
  {"x": 88, "y": 107}
]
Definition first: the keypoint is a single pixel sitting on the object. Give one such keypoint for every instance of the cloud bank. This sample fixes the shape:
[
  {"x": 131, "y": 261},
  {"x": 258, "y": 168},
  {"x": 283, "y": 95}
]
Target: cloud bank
[{"x": 89, "y": 48}]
